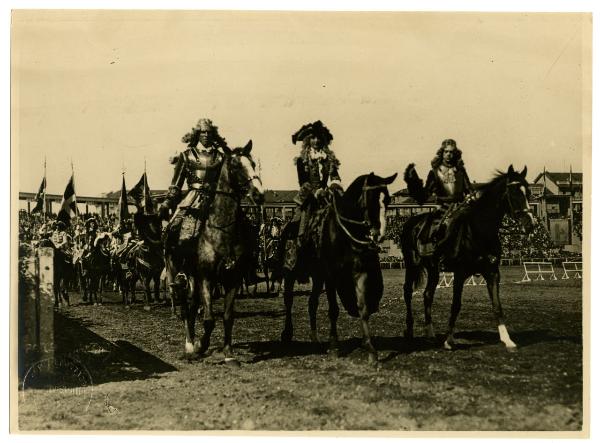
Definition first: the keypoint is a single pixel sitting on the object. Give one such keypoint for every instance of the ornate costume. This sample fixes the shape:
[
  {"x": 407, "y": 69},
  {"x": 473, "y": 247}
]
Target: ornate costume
[
  {"x": 199, "y": 166},
  {"x": 449, "y": 183},
  {"x": 317, "y": 167}
]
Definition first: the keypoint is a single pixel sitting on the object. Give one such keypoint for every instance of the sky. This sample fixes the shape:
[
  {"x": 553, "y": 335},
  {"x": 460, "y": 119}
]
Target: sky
[{"x": 115, "y": 91}]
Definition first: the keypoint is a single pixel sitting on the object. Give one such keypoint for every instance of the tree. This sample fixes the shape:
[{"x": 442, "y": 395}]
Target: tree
[{"x": 536, "y": 244}]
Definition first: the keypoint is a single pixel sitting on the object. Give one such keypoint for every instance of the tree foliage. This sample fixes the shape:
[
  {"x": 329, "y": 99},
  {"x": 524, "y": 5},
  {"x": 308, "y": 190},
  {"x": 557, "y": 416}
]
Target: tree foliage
[{"x": 537, "y": 244}]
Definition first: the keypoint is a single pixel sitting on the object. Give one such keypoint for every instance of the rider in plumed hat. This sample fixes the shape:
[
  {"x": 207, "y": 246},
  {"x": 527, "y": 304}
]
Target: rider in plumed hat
[{"x": 317, "y": 167}]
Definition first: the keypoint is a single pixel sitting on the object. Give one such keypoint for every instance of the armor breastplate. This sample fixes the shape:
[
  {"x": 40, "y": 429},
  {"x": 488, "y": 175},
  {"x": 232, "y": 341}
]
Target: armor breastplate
[{"x": 203, "y": 166}]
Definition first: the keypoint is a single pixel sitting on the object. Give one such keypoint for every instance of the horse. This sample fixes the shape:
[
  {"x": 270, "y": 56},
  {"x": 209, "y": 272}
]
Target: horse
[
  {"x": 271, "y": 236},
  {"x": 478, "y": 251},
  {"x": 220, "y": 254},
  {"x": 146, "y": 259},
  {"x": 63, "y": 273},
  {"x": 96, "y": 265},
  {"x": 345, "y": 259}
]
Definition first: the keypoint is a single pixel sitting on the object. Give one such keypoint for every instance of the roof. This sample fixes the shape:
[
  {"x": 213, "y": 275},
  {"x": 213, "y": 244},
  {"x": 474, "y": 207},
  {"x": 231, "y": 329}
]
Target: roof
[{"x": 561, "y": 177}]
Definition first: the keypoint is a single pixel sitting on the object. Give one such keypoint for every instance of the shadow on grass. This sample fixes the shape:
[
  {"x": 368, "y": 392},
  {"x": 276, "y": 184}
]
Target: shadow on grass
[{"x": 106, "y": 361}]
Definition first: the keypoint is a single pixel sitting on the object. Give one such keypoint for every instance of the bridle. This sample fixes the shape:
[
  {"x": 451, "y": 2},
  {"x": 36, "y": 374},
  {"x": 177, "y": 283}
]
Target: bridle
[
  {"x": 515, "y": 213},
  {"x": 365, "y": 222}
]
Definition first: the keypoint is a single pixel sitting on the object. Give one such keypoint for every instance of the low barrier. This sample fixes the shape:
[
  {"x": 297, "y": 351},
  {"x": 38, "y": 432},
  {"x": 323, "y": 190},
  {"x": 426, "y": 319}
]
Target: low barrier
[
  {"x": 574, "y": 267},
  {"x": 538, "y": 269},
  {"x": 447, "y": 279}
]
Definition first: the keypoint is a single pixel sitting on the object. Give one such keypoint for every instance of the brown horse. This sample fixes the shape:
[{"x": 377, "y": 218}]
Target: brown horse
[
  {"x": 478, "y": 251},
  {"x": 345, "y": 260},
  {"x": 220, "y": 255}
]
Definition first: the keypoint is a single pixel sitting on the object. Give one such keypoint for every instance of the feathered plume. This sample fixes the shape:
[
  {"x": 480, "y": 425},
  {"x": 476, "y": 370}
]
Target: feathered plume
[{"x": 415, "y": 184}]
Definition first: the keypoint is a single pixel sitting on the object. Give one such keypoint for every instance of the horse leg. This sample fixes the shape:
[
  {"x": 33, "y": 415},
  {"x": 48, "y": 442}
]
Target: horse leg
[
  {"x": 457, "y": 289},
  {"x": 228, "y": 314},
  {"x": 156, "y": 281},
  {"x": 207, "y": 316},
  {"x": 147, "y": 293},
  {"x": 492, "y": 279},
  {"x": 361, "y": 299},
  {"x": 433, "y": 277},
  {"x": 313, "y": 305},
  {"x": 409, "y": 281},
  {"x": 188, "y": 315},
  {"x": 334, "y": 312},
  {"x": 288, "y": 299}
]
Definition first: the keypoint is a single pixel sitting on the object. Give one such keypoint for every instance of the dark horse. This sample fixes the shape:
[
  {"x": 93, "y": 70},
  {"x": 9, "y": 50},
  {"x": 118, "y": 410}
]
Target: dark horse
[
  {"x": 145, "y": 260},
  {"x": 63, "y": 273},
  {"x": 96, "y": 265},
  {"x": 219, "y": 256},
  {"x": 346, "y": 260},
  {"x": 478, "y": 251}
]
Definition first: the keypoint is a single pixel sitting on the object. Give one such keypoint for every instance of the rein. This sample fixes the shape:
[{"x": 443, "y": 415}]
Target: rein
[{"x": 340, "y": 219}]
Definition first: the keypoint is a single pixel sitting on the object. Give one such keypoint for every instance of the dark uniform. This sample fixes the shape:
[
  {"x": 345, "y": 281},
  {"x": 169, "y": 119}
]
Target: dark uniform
[
  {"x": 452, "y": 189},
  {"x": 317, "y": 167}
]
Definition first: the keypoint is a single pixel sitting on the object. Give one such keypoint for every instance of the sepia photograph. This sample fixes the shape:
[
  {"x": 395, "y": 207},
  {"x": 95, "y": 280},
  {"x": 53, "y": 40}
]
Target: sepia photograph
[{"x": 337, "y": 221}]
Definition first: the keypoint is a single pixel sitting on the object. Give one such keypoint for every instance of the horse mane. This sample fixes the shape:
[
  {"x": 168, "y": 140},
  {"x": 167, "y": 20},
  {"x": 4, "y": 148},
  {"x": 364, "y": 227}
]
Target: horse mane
[
  {"x": 490, "y": 186},
  {"x": 354, "y": 191}
]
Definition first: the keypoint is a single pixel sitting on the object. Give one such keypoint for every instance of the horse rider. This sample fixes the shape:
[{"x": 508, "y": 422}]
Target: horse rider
[
  {"x": 199, "y": 166},
  {"x": 449, "y": 184},
  {"x": 317, "y": 167},
  {"x": 61, "y": 240}
]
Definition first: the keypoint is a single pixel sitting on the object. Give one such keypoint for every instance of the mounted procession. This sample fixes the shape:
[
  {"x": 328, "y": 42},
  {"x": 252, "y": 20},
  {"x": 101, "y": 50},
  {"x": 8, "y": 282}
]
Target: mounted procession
[{"x": 201, "y": 245}]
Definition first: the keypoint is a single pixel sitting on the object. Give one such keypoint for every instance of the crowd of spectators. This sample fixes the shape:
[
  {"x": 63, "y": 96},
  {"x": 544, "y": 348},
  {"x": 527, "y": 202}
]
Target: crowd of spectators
[{"x": 34, "y": 227}]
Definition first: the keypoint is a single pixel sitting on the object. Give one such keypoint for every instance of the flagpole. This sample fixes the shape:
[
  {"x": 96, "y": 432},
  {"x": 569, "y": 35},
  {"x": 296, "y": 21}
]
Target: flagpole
[
  {"x": 44, "y": 207},
  {"x": 74, "y": 191},
  {"x": 571, "y": 219}
]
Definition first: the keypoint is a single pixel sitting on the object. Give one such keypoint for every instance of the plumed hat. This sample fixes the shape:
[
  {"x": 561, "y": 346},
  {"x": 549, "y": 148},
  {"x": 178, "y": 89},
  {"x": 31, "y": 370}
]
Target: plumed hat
[
  {"x": 316, "y": 128},
  {"x": 89, "y": 222}
]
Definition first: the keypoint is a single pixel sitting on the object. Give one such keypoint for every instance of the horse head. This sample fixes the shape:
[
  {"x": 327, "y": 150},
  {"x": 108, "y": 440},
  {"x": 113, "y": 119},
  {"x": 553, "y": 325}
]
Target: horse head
[
  {"x": 516, "y": 198},
  {"x": 245, "y": 179},
  {"x": 369, "y": 196}
]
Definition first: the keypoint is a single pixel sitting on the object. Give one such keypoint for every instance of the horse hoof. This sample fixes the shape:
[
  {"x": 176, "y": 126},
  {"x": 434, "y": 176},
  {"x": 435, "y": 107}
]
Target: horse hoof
[
  {"x": 511, "y": 347},
  {"x": 314, "y": 338},
  {"x": 127, "y": 307},
  {"x": 146, "y": 308},
  {"x": 334, "y": 352},
  {"x": 447, "y": 345},
  {"x": 232, "y": 362},
  {"x": 408, "y": 334}
]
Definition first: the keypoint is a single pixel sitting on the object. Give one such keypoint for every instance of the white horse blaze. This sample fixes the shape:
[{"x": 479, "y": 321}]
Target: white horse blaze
[
  {"x": 382, "y": 218},
  {"x": 247, "y": 164},
  {"x": 524, "y": 191}
]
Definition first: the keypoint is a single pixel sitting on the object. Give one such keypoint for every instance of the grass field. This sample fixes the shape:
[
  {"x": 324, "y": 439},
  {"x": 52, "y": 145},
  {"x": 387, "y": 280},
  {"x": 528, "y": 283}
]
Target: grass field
[{"x": 141, "y": 381}]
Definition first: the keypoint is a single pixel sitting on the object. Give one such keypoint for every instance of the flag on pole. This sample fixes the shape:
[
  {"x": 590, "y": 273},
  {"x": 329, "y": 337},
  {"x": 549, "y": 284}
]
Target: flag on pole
[
  {"x": 68, "y": 206},
  {"x": 40, "y": 198},
  {"x": 141, "y": 195},
  {"x": 123, "y": 208}
]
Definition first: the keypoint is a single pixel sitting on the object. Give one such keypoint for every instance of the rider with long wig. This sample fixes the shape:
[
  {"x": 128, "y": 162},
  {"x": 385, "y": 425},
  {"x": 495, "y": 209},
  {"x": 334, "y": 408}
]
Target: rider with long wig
[{"x": 317, "y": 168}]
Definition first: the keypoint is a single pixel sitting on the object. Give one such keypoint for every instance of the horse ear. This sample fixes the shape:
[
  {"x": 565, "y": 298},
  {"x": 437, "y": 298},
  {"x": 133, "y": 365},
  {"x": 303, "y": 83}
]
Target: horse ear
[
  {"x": 511, "y": 170},
  {"x": 226, "y": 149},
  {"x": 247, "y": 148},
  {"x": 524, "y": 172},
  {"x": 390, "y": 179}
]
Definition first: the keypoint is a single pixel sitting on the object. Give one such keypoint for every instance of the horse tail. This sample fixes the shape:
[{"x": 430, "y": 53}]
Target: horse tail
[
  {"x": 415, "y": 185},
  {"x": 415, "y": 268}
]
